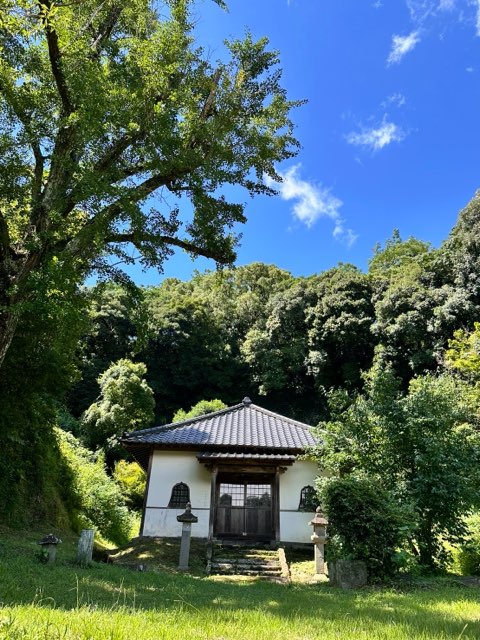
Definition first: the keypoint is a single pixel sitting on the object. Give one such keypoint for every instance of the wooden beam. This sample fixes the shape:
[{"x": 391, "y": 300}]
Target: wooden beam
[
  {"x": 213, "y": 502},
  {"x": 276, "y": 505}
]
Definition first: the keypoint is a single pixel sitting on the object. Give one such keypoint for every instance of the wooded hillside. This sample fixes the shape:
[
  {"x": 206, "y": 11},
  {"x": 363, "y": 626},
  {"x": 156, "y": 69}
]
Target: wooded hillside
[{"x": 256, "y": 330}]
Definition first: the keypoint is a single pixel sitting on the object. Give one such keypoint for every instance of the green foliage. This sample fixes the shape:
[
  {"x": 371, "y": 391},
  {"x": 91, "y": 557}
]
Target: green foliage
[
  {"x": 398, "y": 259},
  {"x": 187, "y": 354},
  {"x": 115, "y": 330},
  {"x": 404, "y": 304},
  {"x": 131, "y": 479},
  {"x": 366, "y": 522},
  {"x": 340, "y": 328},
  {"x": 39, "y": 367},
  {"x": 463, "y": 354},
  {"x": 100, "y": 501},
  {"x": 199, "y": 409},
  {"x": 126, "y": 403},
  {"x": 467, "y": 554},
  {"x": 316, "y": 334},
  {"x": 423, "y": 446},
  {"x": 276, "y": 348},
  {"x": 104, "y": 105}
]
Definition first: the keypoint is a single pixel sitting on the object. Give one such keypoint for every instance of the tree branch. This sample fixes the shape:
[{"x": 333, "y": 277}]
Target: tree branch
[
  {"x": 210, "y": 101},
  {"x": 24, "y": 120},
  {"x": 138, "y": 237},
  {"x": 56, "y": 58},
  {"x": 106, "y": 28},
  {"x": 113, "y": 153},
  {"x": 4, "y": 238}
]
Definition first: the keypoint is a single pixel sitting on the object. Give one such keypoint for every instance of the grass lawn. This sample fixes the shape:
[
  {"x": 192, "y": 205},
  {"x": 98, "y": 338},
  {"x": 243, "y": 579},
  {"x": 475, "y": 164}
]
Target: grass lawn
[{"x": 108, "y": 602}]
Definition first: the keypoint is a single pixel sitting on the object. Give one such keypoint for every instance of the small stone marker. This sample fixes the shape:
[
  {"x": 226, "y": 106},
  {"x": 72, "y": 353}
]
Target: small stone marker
[
  {"x": 187, "y": 519},
  {"x": 319, "y": 538},
  {"x": 49, "y": 543},
  {"x": 348, "y": 574},
  {"x": 85, "y": 546}
]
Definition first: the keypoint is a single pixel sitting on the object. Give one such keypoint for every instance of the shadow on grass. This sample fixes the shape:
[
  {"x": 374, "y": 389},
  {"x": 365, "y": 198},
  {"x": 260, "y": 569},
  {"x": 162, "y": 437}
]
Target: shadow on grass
[
  {"x": 67, "y": 587},
  {"x": 442, "y": 612}
]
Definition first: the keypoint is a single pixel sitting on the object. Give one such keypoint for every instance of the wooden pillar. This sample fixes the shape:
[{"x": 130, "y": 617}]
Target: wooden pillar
[
  {"x": 276, "y": 504},
  {"x": 213, "y": 502}
]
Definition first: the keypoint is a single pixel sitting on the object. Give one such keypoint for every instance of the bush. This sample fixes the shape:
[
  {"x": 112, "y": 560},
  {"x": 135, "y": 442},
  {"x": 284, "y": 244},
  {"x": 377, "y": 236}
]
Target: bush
[
  {"x": 467, "y": 555},
  {"x": 101, "y": 504},
  {"x": 131, "y": 479},
  {"x": 366, "y": 523}
]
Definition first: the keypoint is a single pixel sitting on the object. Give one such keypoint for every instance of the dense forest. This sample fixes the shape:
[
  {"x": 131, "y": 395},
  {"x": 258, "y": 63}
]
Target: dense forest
[
  {"x": 102, "y": 360},
  {"x": 286, "y": 341}
]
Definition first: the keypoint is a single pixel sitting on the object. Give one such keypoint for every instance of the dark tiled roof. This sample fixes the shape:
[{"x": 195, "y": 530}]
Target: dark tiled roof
[
  {"x": 243, "y": 426},
  {"x": 240, "y": 455}
]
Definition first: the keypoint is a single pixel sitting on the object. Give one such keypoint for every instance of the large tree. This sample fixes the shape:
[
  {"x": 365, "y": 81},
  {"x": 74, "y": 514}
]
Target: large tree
[
  {"x": 422, "y": 445},
  {"x": 110, "y": 119}
]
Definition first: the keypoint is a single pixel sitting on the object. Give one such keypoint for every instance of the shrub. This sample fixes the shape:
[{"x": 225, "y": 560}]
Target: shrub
[
  {"x": 101, "y": 504},
  {"x": 467, "y": 554},
  {"x": 131, "y": 479},
  {"x": 366, "y": 523}
]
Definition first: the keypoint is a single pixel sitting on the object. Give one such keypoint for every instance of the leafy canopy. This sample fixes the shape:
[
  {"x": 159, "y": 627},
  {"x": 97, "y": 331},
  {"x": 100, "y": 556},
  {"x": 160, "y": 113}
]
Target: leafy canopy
[
  {"x": 199, "y": 409},
  {"x": 422, "y": 445},
  {"x": 112, "y": 122},
  {"x": 126, "y": 403}
]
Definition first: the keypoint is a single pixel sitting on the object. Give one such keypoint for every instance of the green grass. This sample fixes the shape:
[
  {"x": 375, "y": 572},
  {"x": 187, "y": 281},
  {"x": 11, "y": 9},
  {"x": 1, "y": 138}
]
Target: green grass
[{"x": 108, "y": 602}]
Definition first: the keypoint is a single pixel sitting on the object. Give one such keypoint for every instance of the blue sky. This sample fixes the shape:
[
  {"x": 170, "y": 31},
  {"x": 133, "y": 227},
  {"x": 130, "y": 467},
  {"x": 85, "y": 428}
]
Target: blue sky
[{"x": 390, "y": 135}]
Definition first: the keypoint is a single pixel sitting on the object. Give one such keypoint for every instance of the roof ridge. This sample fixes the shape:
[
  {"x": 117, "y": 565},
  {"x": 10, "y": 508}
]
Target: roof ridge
[
  {"x": 182, "y": 423},
  {"x": 303, "y": 425}
]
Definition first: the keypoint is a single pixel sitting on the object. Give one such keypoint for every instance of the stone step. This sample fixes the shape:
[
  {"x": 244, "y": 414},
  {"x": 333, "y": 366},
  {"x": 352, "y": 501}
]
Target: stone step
[
  {"x": 245, "y": 561},
  {"x": 230, "y": 566},
  {"x": 249, "y": 556},
  {"x": 245, "y": 572},
  {"x": 249, "y": 561}
]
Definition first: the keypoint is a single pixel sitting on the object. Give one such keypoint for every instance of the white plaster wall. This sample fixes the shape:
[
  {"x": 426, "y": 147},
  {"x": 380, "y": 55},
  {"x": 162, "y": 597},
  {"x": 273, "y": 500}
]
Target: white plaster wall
[
  {"x": 169, "y": 468},
  {"x": 293, "y": 523}
]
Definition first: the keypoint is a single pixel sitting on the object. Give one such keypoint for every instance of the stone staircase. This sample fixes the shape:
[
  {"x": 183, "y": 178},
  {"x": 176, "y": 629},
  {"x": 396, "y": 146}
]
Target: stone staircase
[{"x": 267, "y": 564}]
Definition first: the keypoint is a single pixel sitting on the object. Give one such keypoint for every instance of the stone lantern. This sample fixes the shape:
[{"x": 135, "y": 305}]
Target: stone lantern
[
  {"x": 187, "y": 519},
  {"x": 319, "y": 538},
  {"x": 49, "y": 544}
]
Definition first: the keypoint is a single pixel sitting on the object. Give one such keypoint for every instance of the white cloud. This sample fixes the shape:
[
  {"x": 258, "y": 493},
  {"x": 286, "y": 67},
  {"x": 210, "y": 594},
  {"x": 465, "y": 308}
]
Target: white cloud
[
  {"x": 396, "y": 99},
  {"x": 401, "y": 45},
  {"x": 420, "y": 10},
  {"x": 312, "y": 201},
  {"x": 477, "y": 23},
  {"x": 377, "y": 137},
  {"x": 446, "y": 5}
]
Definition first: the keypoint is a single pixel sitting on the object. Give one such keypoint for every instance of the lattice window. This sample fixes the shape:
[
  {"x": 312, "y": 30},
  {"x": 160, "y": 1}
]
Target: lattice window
[
  {"x": 308, "y": 499},
  {"x": 180, "y": 496}
]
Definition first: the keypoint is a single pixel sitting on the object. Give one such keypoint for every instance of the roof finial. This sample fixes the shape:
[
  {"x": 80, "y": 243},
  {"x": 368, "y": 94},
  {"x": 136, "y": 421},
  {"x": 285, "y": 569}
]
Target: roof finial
[{"x": 246, "y": 401}]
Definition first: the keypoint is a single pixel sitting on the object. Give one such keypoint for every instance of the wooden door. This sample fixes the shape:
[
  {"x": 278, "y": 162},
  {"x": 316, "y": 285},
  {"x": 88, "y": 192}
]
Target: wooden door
[{"x": 244, "y": 509}]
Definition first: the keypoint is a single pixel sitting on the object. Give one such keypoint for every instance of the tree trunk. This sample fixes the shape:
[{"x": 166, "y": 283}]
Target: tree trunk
[
  {"x": 426, "y": 544},
  {"x": 14, "y": 274},
  {"x": 8, "y": 325}
]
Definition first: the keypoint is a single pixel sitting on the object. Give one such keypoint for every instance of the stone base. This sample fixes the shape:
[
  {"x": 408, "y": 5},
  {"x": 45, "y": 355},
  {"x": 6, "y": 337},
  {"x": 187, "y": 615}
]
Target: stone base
[{"x": 347, "y": 574}]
